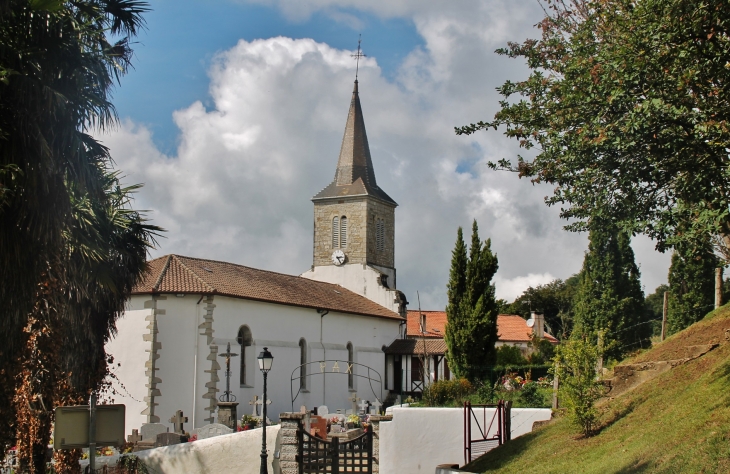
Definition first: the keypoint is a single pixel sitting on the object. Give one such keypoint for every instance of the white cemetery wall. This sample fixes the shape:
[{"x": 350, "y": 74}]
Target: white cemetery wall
[
  {"x": 278, "y": 327},
  {"x": 235, "y": 452},
  {"x": 419, "y": 439},
  {"x": 128, "y": 349}
]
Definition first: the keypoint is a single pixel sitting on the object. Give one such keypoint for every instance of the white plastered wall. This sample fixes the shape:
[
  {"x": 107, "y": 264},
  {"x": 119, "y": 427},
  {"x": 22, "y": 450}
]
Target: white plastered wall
[
  {"x": 419, "y": 439},
  {"x": 278, "y": 327}
]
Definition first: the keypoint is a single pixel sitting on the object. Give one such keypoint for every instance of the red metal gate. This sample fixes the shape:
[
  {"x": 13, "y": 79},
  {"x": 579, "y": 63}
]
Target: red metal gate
[{"x": 480, "y": 436}]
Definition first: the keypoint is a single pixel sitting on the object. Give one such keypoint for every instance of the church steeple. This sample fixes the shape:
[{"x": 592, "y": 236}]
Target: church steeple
[{"x": 355, "y": 175}]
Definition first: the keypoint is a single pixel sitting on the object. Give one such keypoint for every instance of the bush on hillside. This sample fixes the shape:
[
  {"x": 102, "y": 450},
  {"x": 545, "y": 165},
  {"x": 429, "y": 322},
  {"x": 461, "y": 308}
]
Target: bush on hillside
[
  {"x": 575, "y": 367},
  {"x": 510, "y": 355},
  {"x": 447, "y": 392}
]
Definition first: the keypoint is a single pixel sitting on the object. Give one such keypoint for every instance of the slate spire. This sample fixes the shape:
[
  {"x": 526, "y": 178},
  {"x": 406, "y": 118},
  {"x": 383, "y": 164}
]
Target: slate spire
[{"x": 355, "y": 174}]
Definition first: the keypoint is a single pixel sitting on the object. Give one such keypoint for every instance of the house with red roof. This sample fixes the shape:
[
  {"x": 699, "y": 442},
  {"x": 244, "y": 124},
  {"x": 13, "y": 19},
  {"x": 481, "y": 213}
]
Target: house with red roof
[{"x": 424, "y": 341}]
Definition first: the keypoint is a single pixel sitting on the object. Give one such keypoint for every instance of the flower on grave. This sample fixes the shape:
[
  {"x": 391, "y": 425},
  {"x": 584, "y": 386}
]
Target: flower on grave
[
  {"x": 193, "y": 438},
  {"x": 354, "y": 419}
]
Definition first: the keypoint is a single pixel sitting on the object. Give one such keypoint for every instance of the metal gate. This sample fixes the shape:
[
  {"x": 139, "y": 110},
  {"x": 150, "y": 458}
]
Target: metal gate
[
  {"x": 317, "y": 455},
  {"x": 480, "y": 437}
]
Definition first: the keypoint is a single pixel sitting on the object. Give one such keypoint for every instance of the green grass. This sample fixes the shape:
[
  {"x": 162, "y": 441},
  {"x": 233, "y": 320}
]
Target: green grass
[{"x": 678, "y": 422}]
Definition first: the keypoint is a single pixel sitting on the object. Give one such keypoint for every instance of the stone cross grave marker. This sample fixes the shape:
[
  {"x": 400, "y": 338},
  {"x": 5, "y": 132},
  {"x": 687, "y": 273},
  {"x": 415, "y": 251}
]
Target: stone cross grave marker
[
  {"x": 363, "y": 406},
  {"x": 255, "y": 405},
  {"x": 151, "y": 430},
  {"x": 212, "y": 430},
  {"x": 376, "y": 405},
  {"x": 260, "y": 402},
  {"x": 135, "y": 437},
  {"x": 177, "y": 421},
  {"x": 353, "y": 399}
]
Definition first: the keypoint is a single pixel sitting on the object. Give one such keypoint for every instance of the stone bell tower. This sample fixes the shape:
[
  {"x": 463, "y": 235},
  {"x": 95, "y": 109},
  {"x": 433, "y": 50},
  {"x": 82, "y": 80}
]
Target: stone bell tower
[{"x": 354, "y": 223}]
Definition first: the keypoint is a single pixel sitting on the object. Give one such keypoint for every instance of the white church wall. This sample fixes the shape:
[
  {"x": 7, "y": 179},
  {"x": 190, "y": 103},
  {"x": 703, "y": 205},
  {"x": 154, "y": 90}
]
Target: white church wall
[
  {"x": 130, "y": 353},
  {"x": 361, "y": 279},
  {"x": 419, "y": 439},
  {"x": 278, "y": 327}
]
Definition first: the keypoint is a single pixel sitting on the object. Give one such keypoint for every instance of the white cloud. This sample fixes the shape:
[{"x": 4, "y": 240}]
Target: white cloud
[{"x": 239, "y": 186}]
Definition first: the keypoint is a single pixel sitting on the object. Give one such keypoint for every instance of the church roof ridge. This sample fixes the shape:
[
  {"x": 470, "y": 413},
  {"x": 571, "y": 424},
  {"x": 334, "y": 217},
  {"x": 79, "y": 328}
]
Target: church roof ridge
[
  {"x": 355, "y": 175},
  {"x": 180, "y": 274}
]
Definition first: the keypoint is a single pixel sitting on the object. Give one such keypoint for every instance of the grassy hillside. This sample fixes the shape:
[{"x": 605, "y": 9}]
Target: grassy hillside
[{"x": 678, "y": 422}]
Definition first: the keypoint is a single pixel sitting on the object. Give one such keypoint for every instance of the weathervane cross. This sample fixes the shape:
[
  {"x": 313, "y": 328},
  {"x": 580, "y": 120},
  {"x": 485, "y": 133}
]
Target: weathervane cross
[{"x": 357, "y": 56}]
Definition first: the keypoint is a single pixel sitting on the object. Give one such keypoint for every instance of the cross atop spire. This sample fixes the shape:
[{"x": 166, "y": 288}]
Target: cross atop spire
[{"x": 357, "y": 56}]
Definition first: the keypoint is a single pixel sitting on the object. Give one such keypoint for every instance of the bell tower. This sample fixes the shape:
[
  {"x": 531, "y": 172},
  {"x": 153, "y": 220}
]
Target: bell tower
[{"x": 354, "y": 222}]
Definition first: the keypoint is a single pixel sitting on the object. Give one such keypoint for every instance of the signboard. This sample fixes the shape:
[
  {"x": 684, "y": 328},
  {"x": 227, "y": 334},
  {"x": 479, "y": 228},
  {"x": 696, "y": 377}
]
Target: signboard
[{"x": 71, "y": 429}]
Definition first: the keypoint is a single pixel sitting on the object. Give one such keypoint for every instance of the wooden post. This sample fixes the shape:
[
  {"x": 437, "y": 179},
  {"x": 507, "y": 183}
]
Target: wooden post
[
  {"x": 718, "y": 287},
  {"x": 665, "y": 306},
  {"x": 599, "y": 363},
  {"x": 556, "y": 386}
]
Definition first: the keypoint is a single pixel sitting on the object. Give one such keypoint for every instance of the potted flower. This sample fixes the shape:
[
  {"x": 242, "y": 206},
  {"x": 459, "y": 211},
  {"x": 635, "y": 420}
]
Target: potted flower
[
  {"x": 353, "y": 421},
  {"x": 249, "y": 421}
]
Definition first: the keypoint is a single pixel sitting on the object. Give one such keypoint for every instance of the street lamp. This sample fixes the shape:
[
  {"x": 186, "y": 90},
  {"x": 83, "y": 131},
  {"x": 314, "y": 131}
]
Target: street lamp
[{"x": 265, "y": 360}]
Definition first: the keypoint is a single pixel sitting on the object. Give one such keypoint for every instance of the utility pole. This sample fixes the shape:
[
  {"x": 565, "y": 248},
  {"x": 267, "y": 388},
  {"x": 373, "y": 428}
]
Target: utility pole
[
  {"x": 665, "y": 306},
  {"x": 718, "y": 287}
]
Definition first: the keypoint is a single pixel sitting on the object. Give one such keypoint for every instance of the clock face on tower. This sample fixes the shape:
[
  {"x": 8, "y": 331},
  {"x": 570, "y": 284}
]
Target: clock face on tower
[{"x": 338, "y": 257}]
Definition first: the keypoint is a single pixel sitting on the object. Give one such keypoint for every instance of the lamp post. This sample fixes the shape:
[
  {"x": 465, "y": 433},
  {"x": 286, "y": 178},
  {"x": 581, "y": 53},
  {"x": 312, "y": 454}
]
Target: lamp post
[{"x": 265, "y": 360}]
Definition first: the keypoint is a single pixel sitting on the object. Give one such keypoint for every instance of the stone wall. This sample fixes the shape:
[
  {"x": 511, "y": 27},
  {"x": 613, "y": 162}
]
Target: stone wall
[
  {"x": 361, "y": 213},
  {"x": 290, "y": 423}
]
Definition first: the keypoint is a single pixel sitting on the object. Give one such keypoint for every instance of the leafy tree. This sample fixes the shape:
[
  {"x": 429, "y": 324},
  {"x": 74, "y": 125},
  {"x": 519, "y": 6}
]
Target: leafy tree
[
  {"x": 627, "y": 105},
  {"x": 508, "y": 355},
  {"x": 575, "y": 367},
  {"x": 609, "y": 299},
  {"x": 471, "y": 312},
  {"x": 691, "y": 286},
  {"x": 71, "y": 246},
  {"x": 554, "y": 300}
]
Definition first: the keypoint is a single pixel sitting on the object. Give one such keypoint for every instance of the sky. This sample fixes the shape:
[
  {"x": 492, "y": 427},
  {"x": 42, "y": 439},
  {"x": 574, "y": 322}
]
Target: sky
[{"x": 234, "y": 113}]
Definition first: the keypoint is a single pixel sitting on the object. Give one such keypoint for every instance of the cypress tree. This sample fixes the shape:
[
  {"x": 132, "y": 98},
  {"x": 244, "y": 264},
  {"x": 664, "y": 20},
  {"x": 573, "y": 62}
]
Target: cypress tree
[
  {"x": 610, "y": 299},
  {"x": 471, "y": 331},
  {"x": 691, "y": 285}
]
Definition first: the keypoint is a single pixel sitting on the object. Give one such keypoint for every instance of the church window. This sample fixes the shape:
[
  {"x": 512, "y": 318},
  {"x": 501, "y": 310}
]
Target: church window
[
  {"x": 335, "y": 232},
  {"x": 350, "y": 360},
  {"x": 303, "y": 361},
  {"x": 343, "y": 232},
  {"x": 244, "y": 340}
]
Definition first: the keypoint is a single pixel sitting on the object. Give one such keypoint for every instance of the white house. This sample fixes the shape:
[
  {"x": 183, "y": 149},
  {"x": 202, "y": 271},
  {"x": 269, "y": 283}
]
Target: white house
[{"x": 181, "y": 318}]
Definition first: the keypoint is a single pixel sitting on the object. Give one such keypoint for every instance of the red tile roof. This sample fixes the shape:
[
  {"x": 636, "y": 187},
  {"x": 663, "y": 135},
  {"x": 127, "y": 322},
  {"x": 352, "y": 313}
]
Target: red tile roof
[
  {"x": 510, "y": 327},
  {"x": 178, "y": 274}
]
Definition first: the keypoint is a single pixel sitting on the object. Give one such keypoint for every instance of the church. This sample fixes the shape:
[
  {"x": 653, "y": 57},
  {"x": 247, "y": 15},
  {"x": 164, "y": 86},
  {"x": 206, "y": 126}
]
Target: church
[{"x": 345, "y": 310}]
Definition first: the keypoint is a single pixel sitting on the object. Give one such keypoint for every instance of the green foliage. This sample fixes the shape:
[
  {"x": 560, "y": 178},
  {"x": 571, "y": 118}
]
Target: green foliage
[
  {"x": 654, "y": 304},
  {"x": 627, "y": 107},
  {"x": 471, "y": 331},
  {"x": 510, "y": 355},
  {"x": 531, "y": 395},
  {"x": 554, "y": 300},
  {"x": 131, "y": 464},
  {"x": 447, "y": 392},
  {"x": 691, "y": 286},
  {"x": 575, "y": 367},
  {"x": 610, "y": 299},
  {"x": 543, "y": 351}
]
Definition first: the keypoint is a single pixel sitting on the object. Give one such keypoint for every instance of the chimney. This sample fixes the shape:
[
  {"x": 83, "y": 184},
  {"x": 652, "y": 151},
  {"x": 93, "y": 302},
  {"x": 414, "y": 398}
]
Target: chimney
[{"x": 538, "y": 329}]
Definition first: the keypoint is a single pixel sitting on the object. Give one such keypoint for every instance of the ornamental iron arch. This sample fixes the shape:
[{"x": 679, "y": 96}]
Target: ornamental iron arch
[{"x": 339, "y": 367}]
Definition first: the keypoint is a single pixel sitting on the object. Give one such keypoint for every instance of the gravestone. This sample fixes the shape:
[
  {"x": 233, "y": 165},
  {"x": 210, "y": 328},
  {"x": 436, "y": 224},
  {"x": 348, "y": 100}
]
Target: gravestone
[
  {"x": 135, "y": 437},
  {"x": 318, "y": 427},
  {"x": 353, "y": 399},
  {"x": 177, "y": 421},
  {"x": 376, "y": 406},
  {"x": 323, "y": 410},
  {"x": 363, "y": 406},
  {"x": 254, "y": 403},
  {"x": 210, "y": 431},
  {"x": 168, "y": 439},
  {"x": 150, "y": 431},
  {"x": 227, "y": 414}
]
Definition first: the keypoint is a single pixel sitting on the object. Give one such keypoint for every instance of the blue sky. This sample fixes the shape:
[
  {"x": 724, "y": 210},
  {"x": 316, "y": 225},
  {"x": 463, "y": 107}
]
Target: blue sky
[
  {"x": 234, "y": 114},
  {"x": 174, "y": 53}
]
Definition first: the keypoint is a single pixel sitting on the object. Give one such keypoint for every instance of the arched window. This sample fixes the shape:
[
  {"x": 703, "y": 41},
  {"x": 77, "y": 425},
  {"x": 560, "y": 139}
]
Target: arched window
[
  {"x": 302, "y": 361},
  {"x": 335, "y": 232},
  {"x": 350, "y": 360},
  {"x": 343, "y": 232},
  {"x": 244, "y": 340}
]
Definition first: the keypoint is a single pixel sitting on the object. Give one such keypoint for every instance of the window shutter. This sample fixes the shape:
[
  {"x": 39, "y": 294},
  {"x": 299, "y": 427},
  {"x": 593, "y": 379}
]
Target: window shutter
[
  {"x": 343, "y": 232},
  {"x": 335, "y": 232}
]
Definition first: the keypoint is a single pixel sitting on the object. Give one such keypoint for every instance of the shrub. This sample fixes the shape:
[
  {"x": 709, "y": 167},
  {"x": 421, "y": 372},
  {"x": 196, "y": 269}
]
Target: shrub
[
  {"x": 447, "y": 392},
  {"x": 510, "y": 355},
  {"x": 579, "y": 388},
  {"x": 531, "y": 395}
]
